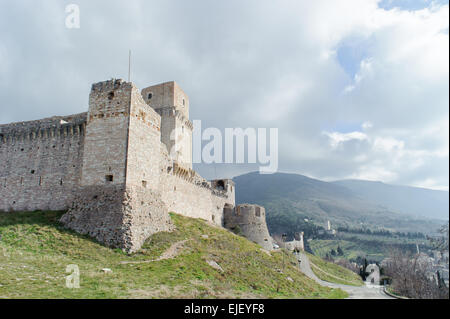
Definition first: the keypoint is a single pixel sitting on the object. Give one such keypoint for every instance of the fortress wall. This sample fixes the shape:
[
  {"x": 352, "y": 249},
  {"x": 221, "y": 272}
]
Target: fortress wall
[
  {"x": 250, "y": 221},
  {"x": 185, "y": 192},
  {"x": 144, "y": 144},
  {"x": 117, "y": 215},
  {"x": 40, "y": 163},
  {"x": 107, "y": 133},
  {"x": 218, "y": 205},
  {"x": 184, "y": 140},
  {"x": 185, "y": 198}
]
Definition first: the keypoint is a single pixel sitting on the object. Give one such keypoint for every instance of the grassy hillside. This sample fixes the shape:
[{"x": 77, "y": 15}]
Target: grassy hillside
[
  {"x": 333, "y": 273},
  {"x": 352, "y": 249},
  {"x": 197, "y": 260}
]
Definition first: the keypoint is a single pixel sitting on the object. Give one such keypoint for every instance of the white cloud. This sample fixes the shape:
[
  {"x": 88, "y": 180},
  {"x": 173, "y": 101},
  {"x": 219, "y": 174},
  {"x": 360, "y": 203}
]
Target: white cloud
[
  {"x": 337, "y": 139},
  {"x": 254, "y": 64}
]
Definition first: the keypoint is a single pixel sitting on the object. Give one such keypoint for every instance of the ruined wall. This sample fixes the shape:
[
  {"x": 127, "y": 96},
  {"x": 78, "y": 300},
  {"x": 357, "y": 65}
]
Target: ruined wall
[
  {"x": 41, "y": 162},
  {"x": 295, "y": 245},
  {"x": 249, "y": 221}
]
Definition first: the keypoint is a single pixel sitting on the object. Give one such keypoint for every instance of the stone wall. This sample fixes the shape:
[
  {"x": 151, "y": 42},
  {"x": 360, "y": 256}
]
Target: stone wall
[
  {"x": 249, "y": 221},
  {"x": 295, "y": 245},
  {"x": 106, "y": 142},
  {"x": 144, "y": 144},
  {"x": 41, "y": 163},
  {"x": 172, "y": 104},
  {"x": 117, "y": 216}
]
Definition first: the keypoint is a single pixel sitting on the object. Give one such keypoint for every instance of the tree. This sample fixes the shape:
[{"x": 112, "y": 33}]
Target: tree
[
  {"x": 340, "y": 252},
  {"x": 362, "y": 271},
  {"x": 413, "y": 277},
  {"x": 333, "y": 252},
  {"x": 441, "y": 243}
]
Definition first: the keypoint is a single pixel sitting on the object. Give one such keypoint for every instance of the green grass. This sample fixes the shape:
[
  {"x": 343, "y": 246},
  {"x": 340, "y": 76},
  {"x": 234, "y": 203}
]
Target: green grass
[
  {"x": 35, "y": 251},
  {"x": 331, "y": 272},
  {"x": 372, "y": 247},
  {"x": 352, "y": 249}
]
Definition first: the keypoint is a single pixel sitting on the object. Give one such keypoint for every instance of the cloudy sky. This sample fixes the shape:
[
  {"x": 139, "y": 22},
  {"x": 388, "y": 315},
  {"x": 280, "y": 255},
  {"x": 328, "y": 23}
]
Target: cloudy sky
[{"x": 357, "y": 89}]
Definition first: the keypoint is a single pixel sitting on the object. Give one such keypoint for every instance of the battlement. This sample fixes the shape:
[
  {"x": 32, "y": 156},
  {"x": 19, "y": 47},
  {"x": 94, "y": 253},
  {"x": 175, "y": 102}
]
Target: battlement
[
  {"x": 191, "y": 176},
  {"x": 42, "y": 129},
  {"x": 110, "y": 85}
]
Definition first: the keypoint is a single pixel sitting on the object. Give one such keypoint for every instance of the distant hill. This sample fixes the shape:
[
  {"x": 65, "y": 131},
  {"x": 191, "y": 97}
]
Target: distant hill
[
  {"x": 298, "y": 203},
  {"x": 420, "y": 202}
]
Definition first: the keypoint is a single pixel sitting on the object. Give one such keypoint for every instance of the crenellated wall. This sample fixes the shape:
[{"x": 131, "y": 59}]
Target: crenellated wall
[{"x": 41, "y": 162}]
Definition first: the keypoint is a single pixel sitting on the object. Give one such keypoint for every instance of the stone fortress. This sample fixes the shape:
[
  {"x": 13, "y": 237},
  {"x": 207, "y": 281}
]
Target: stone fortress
[{"x": 118, "y": 169}]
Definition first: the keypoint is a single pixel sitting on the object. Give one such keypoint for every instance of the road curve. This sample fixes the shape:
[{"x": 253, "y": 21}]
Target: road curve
[{"x": 368, "y": 291}]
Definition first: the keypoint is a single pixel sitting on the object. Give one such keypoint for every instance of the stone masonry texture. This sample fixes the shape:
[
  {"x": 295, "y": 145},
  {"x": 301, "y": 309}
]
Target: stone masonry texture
[
  {"x": 113, "y": 169},
  {"x": 249, "y": 221}
]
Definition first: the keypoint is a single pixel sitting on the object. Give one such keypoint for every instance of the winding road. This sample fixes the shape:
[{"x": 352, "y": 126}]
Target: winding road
[{"x": 368, "y": 291}]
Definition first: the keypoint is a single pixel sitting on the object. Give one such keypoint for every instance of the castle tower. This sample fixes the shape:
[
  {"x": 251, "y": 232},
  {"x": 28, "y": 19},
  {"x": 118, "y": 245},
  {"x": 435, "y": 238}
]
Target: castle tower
[
  {"x": 119, "y": 201},
  {"x": 249, "y": 221},
  {"x": 169, "y": 100},
  {"x": 302, "y": 241},
  {"x": 122, "y": 138},
  {"x": 106, "y": 140}
]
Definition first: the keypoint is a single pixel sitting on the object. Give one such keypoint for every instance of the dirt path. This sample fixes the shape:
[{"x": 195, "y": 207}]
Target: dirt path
[
  {"x": 173, "y": 251},
  {"x": 363, "y": 292}
]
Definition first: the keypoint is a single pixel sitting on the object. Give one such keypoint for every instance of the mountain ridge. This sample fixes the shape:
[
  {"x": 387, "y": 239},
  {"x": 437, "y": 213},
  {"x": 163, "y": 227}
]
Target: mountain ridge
[{"x": 290, "y": 199}]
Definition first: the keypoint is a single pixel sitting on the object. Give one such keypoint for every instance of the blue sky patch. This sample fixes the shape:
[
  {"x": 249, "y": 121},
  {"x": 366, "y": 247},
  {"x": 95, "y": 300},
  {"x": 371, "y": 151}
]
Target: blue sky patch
[
  {"x": 410, "y": 5},
  {"x": 351, "y": 52}
]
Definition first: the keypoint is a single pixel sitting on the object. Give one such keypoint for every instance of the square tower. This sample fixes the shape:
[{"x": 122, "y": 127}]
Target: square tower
[
  {"x": 172, "y": 104},
  {"x": 168, "y": 94}
]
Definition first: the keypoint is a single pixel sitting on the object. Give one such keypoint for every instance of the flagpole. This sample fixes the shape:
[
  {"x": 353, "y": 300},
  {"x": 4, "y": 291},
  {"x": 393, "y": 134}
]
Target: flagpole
[{"x": 129, "y": 66}]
